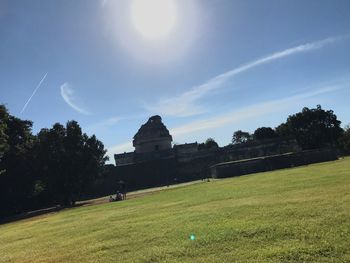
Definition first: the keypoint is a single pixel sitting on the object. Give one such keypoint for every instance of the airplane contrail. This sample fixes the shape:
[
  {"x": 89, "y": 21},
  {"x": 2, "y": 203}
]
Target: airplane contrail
[{"x": 37, "y": 87}]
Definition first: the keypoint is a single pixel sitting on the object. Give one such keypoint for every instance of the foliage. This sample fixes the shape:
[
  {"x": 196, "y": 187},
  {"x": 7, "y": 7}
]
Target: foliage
[
  {"x": 53, "y": 167},
  {"x": 69, "y": 161},
  {"x": 290, "y": 215},
  {"x": 344, "y": 140},
  {"x": 312, "y": 128},
  {"x": 264, "y": 133},
  {"x": 3, "y": 137},
  {"x": 241, "y": 137},
  {"x": 16, "y": 179},
  {"x": 210, "y": 143}
]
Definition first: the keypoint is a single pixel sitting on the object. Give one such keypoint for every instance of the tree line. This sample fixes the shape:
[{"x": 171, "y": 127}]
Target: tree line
[
  {"x": 311, "y": 128},
  {"x": 54, "y": 167}
]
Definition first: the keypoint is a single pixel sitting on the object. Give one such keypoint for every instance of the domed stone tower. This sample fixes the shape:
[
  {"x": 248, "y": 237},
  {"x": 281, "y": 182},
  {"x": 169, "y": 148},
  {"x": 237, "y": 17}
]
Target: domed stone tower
[{"x": 152, "y": 136}]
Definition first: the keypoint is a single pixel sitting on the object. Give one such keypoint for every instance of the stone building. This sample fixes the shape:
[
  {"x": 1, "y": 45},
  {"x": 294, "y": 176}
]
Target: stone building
[
  {"x": 153, "y": 144},
  {"x": 152, "y": 136},
  {"x": 154, "y": 162}
]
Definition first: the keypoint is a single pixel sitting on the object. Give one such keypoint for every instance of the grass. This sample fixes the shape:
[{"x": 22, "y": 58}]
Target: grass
[{"x": 290, "y": 215}]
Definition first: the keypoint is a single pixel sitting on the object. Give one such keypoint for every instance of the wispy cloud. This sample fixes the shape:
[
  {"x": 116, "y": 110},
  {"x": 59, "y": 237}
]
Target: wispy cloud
[
  {"x": 250, "y": 112},
  {"x": 107, "y": 123},
  {"x": 110, "y": 121},
  {"x": 104, "y": 3},
  {"x": 119, "y": 148},
  {"x": 104, "y": 124},
  {"x": 35, "y": 90},
  {"x": 185, "y": 103},
  {"x": 67, "y": 94}
]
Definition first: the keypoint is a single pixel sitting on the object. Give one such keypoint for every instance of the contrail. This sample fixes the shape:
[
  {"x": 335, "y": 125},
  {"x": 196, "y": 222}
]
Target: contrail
[{"x": 37, "y": 87}]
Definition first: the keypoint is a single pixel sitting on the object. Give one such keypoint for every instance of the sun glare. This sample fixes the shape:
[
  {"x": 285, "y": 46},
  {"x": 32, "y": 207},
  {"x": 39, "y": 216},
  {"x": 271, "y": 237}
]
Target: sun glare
[{"x": 153, "y": 18}]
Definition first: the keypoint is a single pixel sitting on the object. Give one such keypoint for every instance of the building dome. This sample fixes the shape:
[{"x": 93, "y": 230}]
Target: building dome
[{"x": 152, "y": 136}]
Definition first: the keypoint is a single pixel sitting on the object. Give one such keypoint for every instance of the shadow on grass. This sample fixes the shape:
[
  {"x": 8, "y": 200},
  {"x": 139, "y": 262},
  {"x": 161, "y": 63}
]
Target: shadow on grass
[{"x": 39, "y": 212}]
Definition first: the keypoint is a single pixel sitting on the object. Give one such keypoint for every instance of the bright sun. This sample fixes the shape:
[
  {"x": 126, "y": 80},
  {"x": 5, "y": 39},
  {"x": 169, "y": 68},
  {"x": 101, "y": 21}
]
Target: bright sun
[{"x": 153, "y": 18}]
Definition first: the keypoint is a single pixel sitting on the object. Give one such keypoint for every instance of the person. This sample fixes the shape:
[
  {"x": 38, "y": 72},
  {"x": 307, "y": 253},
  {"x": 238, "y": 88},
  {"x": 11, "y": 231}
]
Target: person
[
  {"x": 118, "y": 196},
  {"x": 123, "y": 188}
]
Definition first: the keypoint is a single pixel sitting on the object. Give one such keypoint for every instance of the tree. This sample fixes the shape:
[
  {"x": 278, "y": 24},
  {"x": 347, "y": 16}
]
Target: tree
[
  {"x": 240, "y": 137},
  {"x": 69, "y": 161},
  {"x": 56, "y": 166},
  {"x": 51, "y": 163},
  {"x": 210, "y": 143},
  {"x": 312, "y": 128},
  {"x": 17, "y": 177},
  {"x": 344, "y": 140},
  {"x": 264, "y": 133},
  {"x": 3, "y": 137}
]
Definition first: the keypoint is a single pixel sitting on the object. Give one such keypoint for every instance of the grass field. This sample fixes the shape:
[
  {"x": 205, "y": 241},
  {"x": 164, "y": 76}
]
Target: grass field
[{"x": 291, "y": 215}]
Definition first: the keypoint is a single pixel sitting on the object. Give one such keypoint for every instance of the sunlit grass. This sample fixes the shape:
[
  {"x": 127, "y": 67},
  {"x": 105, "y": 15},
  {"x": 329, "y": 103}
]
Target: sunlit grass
[{"x": 291, "y": 215}]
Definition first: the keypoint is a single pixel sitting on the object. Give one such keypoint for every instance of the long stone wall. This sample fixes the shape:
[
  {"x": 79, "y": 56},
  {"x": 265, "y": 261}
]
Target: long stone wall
[
  {"x": 169, "y": 171},
  {"x": 269, "y": 163},
  {"x": 186, "y": 163},
  {"x": 147, "y": 174}
]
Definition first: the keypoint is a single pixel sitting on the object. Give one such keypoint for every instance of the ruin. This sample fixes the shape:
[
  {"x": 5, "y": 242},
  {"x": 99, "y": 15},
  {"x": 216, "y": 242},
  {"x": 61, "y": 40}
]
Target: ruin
[
  {"x": 156, "y": 162},
  {"x": 152, "y": 136},
  {"x": 152, "y": 142}
]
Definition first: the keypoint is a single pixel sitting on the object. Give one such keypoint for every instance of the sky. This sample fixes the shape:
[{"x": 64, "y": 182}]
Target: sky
[{"x": 207, "y": 67}]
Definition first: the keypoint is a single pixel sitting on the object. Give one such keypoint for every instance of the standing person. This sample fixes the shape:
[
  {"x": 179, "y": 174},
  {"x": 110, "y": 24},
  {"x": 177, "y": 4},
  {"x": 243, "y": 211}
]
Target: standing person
[{"x": 124, "y": 190}]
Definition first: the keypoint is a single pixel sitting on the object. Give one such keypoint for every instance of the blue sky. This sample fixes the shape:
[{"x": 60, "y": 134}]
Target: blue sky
[{"x": 224, "y": 65}]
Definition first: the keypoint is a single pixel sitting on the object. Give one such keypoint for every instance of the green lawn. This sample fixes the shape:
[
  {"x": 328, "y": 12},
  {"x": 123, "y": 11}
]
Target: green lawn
[{"x": 291, "y": 215}]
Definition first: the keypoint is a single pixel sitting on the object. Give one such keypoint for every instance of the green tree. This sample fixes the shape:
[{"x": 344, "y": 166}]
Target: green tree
[
  {"x": 50, "y": 165},
  {"x": 312, "y": 128},
  {"x": 17, "y": 177},
  {"x": 69, "y": 161},
  {"x": 240, "y": 137},
  {"x": 210, "y": 143},
  {"x": 56, "y": 166},
  {"x": 344, "y": 140},
  {"x": 264, "y": 133},
  {"x": 3, "y": 137}
]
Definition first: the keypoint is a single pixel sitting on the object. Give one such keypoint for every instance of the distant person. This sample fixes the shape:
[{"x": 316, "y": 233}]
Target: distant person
[
  {"x": 119, "y": 196},
  {"x": 122, "y": 187}
]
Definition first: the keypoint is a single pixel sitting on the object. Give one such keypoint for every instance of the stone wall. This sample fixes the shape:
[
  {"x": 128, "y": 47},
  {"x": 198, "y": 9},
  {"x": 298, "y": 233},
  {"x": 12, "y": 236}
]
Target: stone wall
[
  {"x": 257, "y": 149},
  {"x": 124, "y": 158},
  {"x": 151, "y": 146},
  {"x": 147, "y": 174},
  {"x": 185, "y": 163},
  {"x": 269, "y": 163}
]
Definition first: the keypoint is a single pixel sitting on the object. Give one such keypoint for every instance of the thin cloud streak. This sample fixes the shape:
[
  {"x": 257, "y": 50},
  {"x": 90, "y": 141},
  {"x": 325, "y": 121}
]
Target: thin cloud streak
[
  {"x": 107, "y": 123},
  {"x": 112, "y": 121},
  {"x": 35, "y": 90},
  {"x": 67, "y": 94},
  {"x": 185, "y": 104}
]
